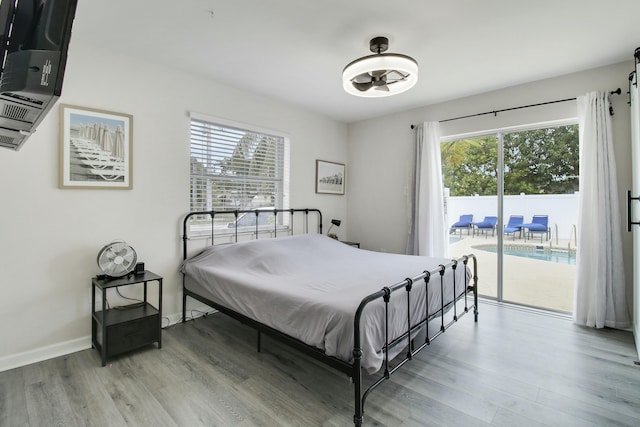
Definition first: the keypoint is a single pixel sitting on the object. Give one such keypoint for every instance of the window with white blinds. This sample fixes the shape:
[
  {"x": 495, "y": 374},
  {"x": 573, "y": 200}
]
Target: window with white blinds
[{"x": 233, "y": 167}]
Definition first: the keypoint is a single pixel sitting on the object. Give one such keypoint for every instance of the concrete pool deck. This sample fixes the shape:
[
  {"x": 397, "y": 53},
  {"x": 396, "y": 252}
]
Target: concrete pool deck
[{"x": 532, "y": 282}]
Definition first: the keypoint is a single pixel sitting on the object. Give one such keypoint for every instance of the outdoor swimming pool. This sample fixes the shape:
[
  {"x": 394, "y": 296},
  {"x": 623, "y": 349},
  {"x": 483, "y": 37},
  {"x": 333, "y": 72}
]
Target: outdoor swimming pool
[{"x": 559, "y": 256}]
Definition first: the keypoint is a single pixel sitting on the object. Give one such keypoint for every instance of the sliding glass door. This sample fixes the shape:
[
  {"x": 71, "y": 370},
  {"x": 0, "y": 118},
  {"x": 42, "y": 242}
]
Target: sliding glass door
[
  {"x": 528, "y": 180},
  {"x": 470, "y": 177}
]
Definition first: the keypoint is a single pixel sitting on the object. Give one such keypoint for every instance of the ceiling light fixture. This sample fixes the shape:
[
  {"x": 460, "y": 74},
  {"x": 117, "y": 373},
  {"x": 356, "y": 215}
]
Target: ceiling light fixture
[{"x": 381, "y": 74}]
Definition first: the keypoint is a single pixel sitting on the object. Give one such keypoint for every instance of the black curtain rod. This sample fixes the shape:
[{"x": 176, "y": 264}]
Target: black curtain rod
[{"x": 495, "y": 112}]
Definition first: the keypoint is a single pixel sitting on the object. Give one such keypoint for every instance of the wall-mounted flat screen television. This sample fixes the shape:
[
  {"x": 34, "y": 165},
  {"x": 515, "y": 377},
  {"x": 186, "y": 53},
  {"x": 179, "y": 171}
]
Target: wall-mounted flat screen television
[{"x": 34, "y": 38}]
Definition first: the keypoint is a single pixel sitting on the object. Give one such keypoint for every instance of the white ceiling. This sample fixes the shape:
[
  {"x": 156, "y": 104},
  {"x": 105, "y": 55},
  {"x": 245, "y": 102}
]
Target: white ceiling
[{"x": 295, "y": 50}]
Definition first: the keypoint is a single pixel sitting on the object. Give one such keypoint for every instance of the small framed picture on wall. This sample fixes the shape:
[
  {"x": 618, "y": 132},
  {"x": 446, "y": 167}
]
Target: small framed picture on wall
[
  {"x": 330, "y": 177},
  {"x": 96, "y": 148}
]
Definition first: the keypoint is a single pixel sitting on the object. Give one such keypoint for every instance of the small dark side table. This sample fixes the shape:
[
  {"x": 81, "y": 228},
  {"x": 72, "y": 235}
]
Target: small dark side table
[{"x": 121, "y": 329}]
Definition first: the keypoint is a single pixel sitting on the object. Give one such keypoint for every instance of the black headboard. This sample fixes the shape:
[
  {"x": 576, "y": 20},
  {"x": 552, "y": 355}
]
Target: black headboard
[{"x": 259, "y": 230}]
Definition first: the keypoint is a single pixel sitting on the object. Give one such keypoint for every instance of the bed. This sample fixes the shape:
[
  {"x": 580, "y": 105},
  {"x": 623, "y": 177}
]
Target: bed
[{"x": 350, "y": 308}]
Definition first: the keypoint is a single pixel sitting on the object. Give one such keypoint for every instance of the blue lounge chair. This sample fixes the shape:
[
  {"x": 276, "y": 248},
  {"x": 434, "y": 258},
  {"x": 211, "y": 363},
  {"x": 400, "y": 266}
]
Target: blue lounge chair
[
  {"x": 514, "y": 226},
  {"x": 463, "y": 224},
  {"x": 539, "y": 224},
  {"x": 489, "y": 223}
]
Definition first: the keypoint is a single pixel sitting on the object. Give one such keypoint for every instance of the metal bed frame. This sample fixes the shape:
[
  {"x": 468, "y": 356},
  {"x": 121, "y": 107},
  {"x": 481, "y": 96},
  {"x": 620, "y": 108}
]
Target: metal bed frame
[{"x": 353, "y": 370}]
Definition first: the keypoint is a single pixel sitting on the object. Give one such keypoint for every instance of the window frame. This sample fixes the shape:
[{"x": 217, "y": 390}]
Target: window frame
[
  {"x": 509, "y": 129},
  {"x": 281, "y": 182}
]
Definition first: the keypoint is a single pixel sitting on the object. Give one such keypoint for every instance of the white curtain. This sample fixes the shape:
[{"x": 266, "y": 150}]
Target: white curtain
[
  {"x": 427, "y": 227},
  {"x": 600, "y": 280}
]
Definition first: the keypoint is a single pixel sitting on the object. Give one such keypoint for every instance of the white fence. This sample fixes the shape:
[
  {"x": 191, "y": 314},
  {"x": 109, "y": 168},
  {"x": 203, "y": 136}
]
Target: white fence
[{"x": 562, "y": 209}]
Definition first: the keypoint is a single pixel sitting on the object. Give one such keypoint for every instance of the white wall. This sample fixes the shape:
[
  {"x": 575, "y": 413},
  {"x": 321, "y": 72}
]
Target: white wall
[
  {"x": 49, "y": 237},
  {"x": 380, "y": 150}
]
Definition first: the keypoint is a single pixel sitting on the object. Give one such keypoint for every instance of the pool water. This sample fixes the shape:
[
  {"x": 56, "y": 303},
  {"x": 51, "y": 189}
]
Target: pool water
[{"x": 562, "y": 257}]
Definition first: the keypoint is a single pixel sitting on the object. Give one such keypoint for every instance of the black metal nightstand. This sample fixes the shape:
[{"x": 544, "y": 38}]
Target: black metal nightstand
[{"x": 121, "y": 329}]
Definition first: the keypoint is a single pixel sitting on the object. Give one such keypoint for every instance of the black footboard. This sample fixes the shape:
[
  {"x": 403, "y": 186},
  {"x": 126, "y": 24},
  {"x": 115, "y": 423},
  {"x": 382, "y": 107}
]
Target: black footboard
[{"x": 460, "y": 291}]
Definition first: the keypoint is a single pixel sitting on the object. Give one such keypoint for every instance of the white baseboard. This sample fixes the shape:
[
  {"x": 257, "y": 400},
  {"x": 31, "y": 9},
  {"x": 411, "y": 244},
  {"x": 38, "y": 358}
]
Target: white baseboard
[
  {"x": 172, "y": 319},
  {"x": 44, "y": 353},
  {"x": 55, "y": 350},
  {"x": 636, "y": 337}
]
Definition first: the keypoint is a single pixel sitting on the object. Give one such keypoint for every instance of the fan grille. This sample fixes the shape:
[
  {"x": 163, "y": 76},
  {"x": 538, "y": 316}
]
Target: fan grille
[{"x": 117, "y": 259}]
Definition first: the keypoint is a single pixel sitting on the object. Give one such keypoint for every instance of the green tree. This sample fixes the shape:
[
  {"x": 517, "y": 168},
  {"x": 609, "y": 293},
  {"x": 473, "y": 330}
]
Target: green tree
[
  {"x": 540, "y": 161},
  {"x": 469, "y": 166}
]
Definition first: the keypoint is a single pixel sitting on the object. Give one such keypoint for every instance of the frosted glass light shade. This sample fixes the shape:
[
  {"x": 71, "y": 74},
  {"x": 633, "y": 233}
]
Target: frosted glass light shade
[{"x": 383, "y": 61}]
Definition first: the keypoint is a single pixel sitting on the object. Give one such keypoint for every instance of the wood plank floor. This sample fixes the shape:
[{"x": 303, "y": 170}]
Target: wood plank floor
[{"x": 513, "y": 368}]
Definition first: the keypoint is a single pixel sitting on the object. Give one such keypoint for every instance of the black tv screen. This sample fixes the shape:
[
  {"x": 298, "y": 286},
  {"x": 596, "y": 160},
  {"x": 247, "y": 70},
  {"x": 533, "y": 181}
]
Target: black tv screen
[{"x": 34, "y": 41}]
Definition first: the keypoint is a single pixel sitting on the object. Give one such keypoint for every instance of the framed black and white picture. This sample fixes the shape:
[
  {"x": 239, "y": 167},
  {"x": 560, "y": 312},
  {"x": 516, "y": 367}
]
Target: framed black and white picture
[
  {"x": 329, "y": 177},
  {"x": 96, "y": 148}
]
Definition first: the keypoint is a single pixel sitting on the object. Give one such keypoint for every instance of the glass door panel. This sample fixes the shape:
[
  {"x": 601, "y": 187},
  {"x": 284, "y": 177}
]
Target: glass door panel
[
  {"x": 541, "y": 185},
  {"x": 470, "y": 179}
]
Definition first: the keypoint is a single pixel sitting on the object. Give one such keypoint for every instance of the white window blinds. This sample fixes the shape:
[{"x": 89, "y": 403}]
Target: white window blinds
[{"x": 236, "y": 168}]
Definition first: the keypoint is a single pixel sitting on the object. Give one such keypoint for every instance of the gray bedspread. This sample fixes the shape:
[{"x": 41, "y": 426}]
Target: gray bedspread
[{"x": 309, "y": 287}]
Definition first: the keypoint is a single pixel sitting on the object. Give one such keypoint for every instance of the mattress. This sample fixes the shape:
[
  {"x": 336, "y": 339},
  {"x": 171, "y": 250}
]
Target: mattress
[{"x": 310, "y": 286}]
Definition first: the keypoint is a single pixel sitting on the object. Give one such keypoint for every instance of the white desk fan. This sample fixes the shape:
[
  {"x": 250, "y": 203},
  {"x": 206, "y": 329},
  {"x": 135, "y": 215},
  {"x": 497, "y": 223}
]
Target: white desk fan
[{"x": 117, "y": 259}]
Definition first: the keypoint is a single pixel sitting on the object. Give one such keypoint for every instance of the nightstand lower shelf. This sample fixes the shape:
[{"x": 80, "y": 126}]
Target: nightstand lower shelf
[{"x": 126, "y": 328}]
